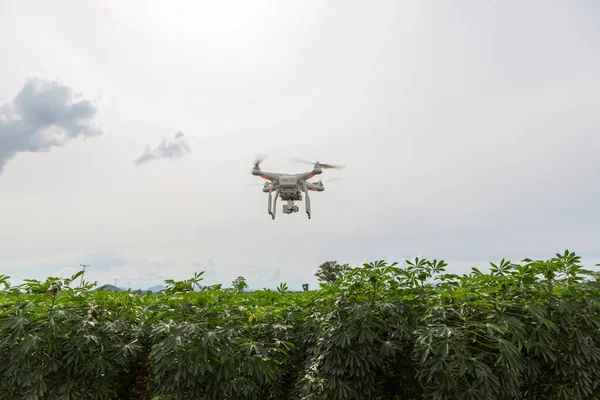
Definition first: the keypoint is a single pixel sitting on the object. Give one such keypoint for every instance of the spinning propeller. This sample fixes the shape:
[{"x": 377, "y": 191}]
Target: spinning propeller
[
  {"x": 259, "y": 159},
  {"x": 328, "y": 180},
  {"x": 324, "y": 166}
]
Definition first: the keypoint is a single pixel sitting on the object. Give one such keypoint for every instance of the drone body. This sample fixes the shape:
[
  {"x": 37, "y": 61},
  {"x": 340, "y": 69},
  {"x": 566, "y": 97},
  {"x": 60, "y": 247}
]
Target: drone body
[{"x": 290, "y": 187}]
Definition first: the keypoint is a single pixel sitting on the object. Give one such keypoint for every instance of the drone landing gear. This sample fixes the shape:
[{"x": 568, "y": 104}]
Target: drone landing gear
[
  {"x": 307, "y": 200},
  {"x": 272, "y": 213},
  {"x": 288, "y": 208}
]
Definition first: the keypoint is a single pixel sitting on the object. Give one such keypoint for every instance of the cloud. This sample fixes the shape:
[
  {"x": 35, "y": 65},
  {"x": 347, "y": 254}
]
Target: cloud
[
  {"x": 174, "y": 148},
  {"x": 260, "y": 277},
  {"x": 44, "y": 114}
]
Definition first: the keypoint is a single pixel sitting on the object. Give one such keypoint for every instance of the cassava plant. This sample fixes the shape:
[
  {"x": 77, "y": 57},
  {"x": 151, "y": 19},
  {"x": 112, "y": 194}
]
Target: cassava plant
[{"x": 377, "y": 331}]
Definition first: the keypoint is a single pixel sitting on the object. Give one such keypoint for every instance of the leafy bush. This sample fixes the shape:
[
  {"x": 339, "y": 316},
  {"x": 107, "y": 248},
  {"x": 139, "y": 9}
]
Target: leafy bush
[{"x": 528, "y": 330}]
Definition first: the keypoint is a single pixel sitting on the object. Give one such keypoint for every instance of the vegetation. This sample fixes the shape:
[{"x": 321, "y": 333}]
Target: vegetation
[
  {"x": 528, "y": 330},
  {"x": 239, "y": 284},
  {"x": 331, "y": 271}
]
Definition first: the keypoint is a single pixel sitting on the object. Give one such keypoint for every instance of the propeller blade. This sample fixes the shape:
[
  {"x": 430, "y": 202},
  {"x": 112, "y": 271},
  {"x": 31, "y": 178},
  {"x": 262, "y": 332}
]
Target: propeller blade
[
  {"x": 259, "y": 159},
  {"x": 324, "y": 166},
  {"x": 330, "y": 166},
  {"x": 302, "y": 161},
  {"x": 328, "y": 180}
]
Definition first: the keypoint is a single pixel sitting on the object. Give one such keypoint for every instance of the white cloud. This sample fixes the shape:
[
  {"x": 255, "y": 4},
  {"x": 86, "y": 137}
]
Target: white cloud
[
  {"x": 167, "y": 148},
  {"x": 43, "y": 115}
]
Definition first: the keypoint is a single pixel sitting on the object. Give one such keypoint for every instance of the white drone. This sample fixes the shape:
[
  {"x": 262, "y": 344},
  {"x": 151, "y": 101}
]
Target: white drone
[{"x": 290, "y": 186}]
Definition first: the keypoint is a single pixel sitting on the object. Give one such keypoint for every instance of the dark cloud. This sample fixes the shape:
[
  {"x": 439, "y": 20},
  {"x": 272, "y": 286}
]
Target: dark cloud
[
  {"x": 44, "y": 114},
  {"x": 168, "y": 148}
]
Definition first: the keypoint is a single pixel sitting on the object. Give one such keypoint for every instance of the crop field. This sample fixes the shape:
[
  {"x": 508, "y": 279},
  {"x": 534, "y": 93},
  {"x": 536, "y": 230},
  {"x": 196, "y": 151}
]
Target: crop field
[{"x": 523, "y": 330}]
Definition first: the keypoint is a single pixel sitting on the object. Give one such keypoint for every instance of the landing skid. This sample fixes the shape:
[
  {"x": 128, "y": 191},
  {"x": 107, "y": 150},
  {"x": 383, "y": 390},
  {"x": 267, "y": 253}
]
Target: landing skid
[{"x": 288, "y": 208}]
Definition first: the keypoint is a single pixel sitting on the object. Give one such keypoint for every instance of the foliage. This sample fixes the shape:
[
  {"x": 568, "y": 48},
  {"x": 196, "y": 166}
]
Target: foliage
[
  {"x": 527, "y": 330},
  {"x": 239, "y": 284},
  {"x": 282, "y": 288},
  {"x": 330, "y": 271},
  {"x": 184, "y": 286}
]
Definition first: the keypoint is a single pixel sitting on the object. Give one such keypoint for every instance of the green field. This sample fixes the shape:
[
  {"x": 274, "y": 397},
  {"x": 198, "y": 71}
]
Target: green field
[{"x": 526, "y": 330}]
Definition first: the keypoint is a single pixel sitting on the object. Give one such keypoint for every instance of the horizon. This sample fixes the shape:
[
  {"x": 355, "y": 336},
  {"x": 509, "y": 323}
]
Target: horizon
[{"x": 292, "y": 286}]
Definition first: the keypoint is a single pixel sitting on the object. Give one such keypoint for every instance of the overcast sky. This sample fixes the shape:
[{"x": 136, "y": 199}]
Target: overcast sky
[{"x": 469, "y": 130}]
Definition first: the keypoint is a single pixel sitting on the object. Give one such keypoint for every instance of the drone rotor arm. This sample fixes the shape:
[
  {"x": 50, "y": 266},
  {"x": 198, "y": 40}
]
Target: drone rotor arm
[
  {"x": 314, "y": 186},
  {"x": 270, "y": 176},
  {"x": 308, "y": 175}
]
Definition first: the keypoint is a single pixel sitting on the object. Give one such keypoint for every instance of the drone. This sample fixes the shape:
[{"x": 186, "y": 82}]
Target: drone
[{"x": 289, "y": 187}]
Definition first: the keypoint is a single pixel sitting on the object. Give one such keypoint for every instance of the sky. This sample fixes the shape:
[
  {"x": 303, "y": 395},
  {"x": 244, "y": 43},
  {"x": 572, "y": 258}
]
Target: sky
[{"x": 469, "y": 132}]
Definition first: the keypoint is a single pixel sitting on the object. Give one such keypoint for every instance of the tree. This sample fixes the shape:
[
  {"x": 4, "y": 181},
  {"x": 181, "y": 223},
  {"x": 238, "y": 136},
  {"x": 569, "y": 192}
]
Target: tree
[
  {"x": 330, "y": 271},
  {"x": 239, "y": 284}
]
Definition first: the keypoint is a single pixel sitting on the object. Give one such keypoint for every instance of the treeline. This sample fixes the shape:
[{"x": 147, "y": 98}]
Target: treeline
[{"x": 527, "y": 330}]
